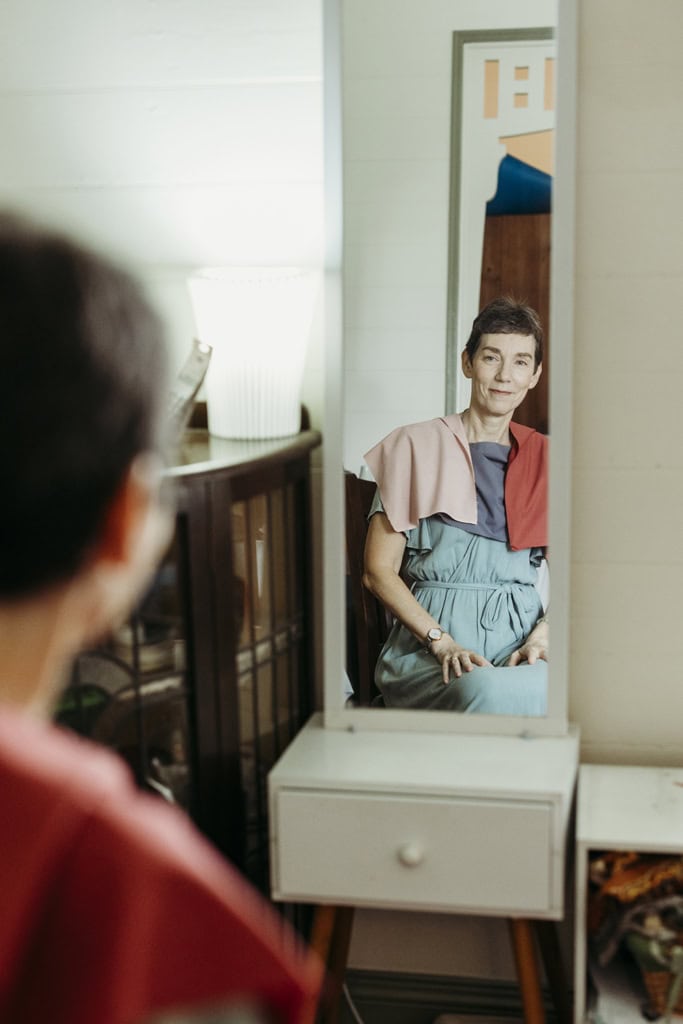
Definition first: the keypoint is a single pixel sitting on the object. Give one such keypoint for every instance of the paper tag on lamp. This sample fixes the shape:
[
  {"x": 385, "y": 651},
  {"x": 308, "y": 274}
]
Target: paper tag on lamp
[{"x": 257, "y": 320}]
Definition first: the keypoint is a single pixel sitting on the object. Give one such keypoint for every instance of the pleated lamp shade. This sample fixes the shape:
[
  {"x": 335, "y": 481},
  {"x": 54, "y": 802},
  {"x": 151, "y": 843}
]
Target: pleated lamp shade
[{"x": 258, "y": 321}]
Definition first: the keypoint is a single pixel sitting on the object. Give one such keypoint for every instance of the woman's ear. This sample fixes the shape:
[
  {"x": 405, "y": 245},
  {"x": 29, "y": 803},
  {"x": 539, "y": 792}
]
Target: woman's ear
[
  {"x": 466, "y": 363},
  {"x": 536, "y": 377}
]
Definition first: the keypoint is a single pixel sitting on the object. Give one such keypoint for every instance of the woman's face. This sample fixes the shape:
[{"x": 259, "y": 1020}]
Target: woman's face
[{"x": 502, "y": 371}]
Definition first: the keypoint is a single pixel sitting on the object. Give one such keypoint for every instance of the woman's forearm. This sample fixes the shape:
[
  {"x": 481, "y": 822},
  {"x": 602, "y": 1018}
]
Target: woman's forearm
[
  {"x": 384, "y": 551},
  {"x": 389, "y": 588}
]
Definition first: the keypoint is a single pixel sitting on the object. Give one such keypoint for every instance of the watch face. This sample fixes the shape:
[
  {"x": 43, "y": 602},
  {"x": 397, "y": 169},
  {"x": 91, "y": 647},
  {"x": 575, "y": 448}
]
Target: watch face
[{"x": 434, "y": 634}]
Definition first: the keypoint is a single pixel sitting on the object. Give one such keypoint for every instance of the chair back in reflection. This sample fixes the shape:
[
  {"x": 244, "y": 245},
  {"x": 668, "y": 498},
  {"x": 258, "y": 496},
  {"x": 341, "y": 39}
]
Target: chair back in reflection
[{"x": 368, "y": 621}]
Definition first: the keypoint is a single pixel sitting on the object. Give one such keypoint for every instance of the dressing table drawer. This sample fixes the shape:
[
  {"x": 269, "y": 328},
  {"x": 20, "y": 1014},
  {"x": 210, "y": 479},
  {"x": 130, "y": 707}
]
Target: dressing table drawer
[{"x": 411, "y": 851}]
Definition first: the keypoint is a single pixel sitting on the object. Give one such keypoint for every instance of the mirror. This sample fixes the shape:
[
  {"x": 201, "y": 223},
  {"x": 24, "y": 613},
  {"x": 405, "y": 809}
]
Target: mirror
[{"x": 392, "y": 90}]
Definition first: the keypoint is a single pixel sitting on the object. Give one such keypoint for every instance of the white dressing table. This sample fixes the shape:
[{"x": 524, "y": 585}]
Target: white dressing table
[
  {"x": 439, "y": 822},
  {"x": 427, "y": 822}
]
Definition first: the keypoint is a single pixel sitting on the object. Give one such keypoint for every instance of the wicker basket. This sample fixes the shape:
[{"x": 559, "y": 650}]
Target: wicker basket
[
  {"x": 658, "y": 984},
  {"x": 656, "y": 978}
]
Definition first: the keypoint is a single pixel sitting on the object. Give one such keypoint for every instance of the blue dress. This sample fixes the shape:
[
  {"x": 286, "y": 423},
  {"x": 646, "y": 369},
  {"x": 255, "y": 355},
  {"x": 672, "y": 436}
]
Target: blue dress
[{"x": 485, "y": 596}]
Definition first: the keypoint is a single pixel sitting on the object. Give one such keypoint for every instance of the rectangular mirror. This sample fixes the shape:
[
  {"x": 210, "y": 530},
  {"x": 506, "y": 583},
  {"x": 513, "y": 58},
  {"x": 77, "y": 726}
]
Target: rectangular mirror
[{"x": 428, "y": 105}]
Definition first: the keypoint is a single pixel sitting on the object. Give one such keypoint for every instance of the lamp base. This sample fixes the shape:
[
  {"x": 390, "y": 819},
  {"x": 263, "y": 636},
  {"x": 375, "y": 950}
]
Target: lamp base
[{"x": 253, "y": 403}]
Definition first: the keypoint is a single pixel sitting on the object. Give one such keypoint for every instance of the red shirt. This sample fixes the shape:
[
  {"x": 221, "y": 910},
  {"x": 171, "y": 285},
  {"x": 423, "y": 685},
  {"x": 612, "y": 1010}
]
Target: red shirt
[{"x": 113, "y": 906}]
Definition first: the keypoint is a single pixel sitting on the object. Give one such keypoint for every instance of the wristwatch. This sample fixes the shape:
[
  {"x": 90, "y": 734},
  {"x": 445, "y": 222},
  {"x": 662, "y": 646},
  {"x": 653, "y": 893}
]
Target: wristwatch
[{"x": 434, "y": 634}]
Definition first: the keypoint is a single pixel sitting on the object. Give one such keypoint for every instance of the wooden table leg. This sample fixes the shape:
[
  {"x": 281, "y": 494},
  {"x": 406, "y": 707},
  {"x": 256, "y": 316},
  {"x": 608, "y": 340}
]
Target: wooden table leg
[
  {"x": 528, "y": 977},
  {"x": 331, "y": 938},
  {"x": 551, "y": 954},
  {"x": 321, "y": 931}
]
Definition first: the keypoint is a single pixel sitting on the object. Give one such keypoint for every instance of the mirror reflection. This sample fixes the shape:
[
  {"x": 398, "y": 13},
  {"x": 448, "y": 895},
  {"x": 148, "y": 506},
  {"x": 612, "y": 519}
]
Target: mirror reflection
[{"x": 448, "y": 142}]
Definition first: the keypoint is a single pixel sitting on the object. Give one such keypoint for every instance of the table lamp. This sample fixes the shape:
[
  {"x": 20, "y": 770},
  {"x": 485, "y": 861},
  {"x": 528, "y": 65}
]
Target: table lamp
[{"x": 257, "y": 321}]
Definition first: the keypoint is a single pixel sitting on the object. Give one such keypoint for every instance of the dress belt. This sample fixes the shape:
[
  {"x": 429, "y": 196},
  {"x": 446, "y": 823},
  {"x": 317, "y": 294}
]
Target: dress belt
[{"x": 520, "y": 601}]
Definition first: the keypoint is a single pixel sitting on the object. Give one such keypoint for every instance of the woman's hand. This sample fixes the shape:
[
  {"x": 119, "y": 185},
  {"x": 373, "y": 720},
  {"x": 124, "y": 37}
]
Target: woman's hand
[
  {"x": 535, "y": 647},
  {"x": 454, "y": 658}
]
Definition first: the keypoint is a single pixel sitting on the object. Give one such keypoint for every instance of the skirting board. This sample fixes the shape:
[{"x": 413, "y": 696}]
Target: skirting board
[{"x": 387, "y": 997}]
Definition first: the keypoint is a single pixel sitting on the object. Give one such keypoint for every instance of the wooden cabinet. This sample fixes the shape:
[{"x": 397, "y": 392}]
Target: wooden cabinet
[
  {"x": 620, "y": 809},
  {"x": 516, "y": 261},
  {"x": 205, "y": 686}
]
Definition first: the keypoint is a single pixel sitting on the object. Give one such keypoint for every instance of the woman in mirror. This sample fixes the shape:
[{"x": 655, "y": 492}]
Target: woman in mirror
[{"x": 458, "y": 528}]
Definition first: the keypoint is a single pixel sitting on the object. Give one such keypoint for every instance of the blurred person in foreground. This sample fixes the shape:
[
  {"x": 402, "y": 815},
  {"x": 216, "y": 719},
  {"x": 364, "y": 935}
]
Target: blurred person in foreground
[{"x": 115, "y": 910}]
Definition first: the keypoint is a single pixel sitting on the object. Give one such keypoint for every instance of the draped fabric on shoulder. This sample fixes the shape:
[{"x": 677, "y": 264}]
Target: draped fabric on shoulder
[
  {"x": 526, "y": 489},
  {"x": 426, "y": 468}
]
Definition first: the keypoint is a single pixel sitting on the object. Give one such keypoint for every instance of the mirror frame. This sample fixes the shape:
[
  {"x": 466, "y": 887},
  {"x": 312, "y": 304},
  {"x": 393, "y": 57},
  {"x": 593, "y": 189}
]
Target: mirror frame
[{"x": 336, "y": 715}]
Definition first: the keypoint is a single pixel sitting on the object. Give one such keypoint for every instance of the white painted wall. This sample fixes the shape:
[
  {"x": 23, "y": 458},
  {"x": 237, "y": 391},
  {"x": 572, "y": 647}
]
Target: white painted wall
[
  {"x": 627, "y": 509},
  {"x": 175, "y": 133}
]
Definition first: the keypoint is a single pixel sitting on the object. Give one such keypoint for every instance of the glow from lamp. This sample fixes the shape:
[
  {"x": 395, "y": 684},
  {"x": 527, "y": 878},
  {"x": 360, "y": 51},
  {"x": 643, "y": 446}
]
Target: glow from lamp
[{"x": 257, "y": 320}]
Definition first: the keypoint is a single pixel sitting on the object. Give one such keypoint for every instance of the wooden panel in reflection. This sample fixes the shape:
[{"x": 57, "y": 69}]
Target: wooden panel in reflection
[{"x": 516, "y": 262}]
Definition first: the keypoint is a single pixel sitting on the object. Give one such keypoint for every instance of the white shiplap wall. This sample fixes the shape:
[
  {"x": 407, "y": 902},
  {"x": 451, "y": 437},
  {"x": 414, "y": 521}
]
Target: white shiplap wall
[
  {"x": 626, "y": 689},
  {"x": 175, "y": 133}
]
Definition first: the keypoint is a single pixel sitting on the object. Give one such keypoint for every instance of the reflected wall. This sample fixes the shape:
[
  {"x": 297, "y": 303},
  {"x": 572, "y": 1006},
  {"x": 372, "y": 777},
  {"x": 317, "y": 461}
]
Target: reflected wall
[{"x": 397, "y": 108}]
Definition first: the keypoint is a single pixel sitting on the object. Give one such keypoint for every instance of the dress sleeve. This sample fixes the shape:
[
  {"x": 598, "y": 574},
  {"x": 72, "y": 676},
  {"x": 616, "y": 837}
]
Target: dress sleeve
[
  {"x": 417, "y": 538},
  {"x": 377, "y": 504},
  {"x": 421, "y": 469}
]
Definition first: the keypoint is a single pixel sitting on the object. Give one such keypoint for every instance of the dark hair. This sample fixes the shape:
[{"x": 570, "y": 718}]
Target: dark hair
[
  {"x": 507, "y": 316},
  {"x": 83, "y": 367}
]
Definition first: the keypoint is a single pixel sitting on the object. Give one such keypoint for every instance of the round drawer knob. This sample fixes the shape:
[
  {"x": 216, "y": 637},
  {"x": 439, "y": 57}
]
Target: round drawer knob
[{"x": 411, "y": 854}]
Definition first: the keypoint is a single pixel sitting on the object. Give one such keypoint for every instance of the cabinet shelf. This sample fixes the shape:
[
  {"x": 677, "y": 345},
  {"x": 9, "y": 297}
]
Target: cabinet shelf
[{"x": 620, "y": 809}]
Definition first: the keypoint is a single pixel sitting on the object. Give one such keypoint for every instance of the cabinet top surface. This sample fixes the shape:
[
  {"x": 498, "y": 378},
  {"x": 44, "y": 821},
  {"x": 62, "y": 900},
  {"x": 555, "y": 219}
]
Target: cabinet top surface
[
  {"x": 509, "y": 767},
  {"x": 621, "y": 807},
  {"x": 201, "y": 452}
]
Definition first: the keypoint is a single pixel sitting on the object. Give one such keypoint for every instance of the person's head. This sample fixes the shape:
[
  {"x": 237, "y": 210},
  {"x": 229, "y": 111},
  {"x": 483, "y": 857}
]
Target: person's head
[
  {"x": 83, "y": 370},
  {"x": 507, "y": 316},
  {"x": 503, "y": 357}
]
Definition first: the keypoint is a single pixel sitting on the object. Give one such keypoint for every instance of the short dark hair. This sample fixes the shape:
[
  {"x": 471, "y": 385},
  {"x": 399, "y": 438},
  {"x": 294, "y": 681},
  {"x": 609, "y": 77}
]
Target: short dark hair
[
  {"x": 83, "y": 369},
  {"x": 506, "y": 316}
]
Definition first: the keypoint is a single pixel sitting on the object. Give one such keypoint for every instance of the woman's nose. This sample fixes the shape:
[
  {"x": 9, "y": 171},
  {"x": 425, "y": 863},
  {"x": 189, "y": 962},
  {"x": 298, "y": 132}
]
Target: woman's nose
[{"x": 503, "y": 371}]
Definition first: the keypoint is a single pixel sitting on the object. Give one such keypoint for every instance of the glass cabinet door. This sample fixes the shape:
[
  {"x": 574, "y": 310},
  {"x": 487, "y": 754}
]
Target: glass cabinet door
[
  {"x": 271, "y": 659},
  {"x": 131, "y": 692}
]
